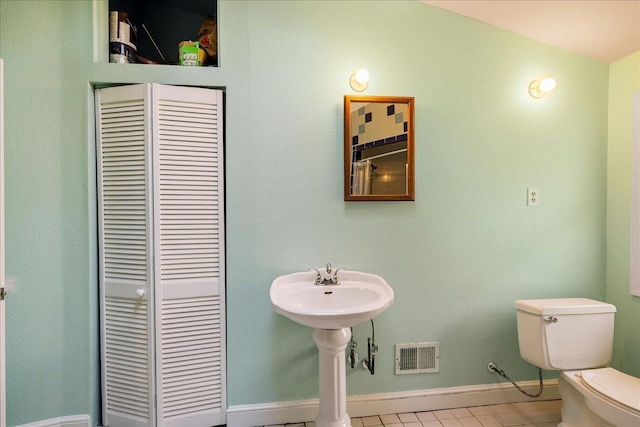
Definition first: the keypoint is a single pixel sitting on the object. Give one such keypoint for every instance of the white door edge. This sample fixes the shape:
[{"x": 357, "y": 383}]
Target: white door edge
[
  {"x": 634, "y": 274},
  {"x": 3, "y": 395}
]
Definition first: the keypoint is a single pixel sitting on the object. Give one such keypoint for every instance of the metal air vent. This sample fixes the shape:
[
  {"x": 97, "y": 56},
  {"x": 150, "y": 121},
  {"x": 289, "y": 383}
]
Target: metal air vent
[{"x": 417, "y": 358}]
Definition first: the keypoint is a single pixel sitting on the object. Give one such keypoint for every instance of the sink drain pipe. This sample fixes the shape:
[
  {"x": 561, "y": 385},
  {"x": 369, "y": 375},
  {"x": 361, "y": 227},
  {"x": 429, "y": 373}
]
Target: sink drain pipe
[
  {"x": 494, "y": 368},
  {"x": 370, "y": 362},
  {"x": 372, "y": 348}
]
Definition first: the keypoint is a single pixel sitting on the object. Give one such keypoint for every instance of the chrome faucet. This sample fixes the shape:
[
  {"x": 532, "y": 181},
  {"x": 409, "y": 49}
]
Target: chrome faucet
[{"x": 328, "y": 279}]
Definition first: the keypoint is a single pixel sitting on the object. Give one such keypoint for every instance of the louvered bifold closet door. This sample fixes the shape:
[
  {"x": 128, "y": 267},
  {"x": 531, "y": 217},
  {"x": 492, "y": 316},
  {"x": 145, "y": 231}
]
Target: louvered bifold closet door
[
  {"x": 188, "y": 207},
  {"x": 126, "y": 281}
]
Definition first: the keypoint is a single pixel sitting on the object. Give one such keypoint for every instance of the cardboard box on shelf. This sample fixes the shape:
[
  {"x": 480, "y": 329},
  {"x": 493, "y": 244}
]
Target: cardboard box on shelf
[{"x": 190, "y": 53}]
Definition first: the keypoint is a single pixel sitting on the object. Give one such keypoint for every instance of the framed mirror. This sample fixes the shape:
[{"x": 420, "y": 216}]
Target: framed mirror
[{"x": 379, "y": 148}]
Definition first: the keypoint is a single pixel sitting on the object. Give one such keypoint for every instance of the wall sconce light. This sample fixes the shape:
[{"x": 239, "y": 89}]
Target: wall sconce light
[
  {"x": 538, "y": 88},
  {"x": 359, "y": 81}
]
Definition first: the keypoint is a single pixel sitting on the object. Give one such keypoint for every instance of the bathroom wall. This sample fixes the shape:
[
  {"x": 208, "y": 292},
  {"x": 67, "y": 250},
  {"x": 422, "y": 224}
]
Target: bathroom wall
[
  {"x": 468, "y": 247},
  {"x": 458, "y": 257},
  {"x": 624, "y": 81},
  {"x": 51, "y": 341}
]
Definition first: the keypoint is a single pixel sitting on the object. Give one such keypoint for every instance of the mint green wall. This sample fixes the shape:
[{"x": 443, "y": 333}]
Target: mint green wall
[
  {"x": 51, "y": 335},
  {"x": 458, "y": 257},
  {"x": 624, "y": 81}
]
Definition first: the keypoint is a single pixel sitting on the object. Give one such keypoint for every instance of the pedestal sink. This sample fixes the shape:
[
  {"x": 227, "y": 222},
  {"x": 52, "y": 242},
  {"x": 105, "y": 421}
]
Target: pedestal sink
[{"x": 331, "y": 301}]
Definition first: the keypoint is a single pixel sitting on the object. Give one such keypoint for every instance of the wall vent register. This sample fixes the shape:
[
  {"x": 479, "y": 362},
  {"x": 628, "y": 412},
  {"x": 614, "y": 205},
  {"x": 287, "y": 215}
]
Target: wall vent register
[{"x": 417, "y": 358}]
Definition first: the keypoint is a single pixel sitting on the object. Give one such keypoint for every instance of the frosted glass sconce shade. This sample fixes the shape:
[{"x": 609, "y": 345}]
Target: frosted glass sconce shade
[
  {"x": 538, "y": 88},
  {"x": 359, "y": 81}
]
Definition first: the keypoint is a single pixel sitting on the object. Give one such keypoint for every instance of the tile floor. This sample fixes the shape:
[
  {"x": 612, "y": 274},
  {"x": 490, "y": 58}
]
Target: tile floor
[{"x": 528, "y": 414}]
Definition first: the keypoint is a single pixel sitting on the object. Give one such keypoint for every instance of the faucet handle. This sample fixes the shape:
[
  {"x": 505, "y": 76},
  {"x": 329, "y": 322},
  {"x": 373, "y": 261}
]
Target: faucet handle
[
  {"x": 318, "y": 276},
  {"x": 335, "y": 276},
  {"x": 329, "y": 268}
]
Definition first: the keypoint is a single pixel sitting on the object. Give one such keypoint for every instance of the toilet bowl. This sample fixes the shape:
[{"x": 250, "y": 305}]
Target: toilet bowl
[
  {"x": 575, "y": 336},
  {"x": 585, "y": 403}
]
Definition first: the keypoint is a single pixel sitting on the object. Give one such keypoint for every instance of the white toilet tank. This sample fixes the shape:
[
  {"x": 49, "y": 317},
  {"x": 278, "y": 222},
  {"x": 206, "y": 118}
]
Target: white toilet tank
[{"x": 565, "y": 333}]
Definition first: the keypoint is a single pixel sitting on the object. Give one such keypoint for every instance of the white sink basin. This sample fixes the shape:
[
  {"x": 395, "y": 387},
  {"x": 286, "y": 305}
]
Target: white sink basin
[{"x": 358, "y": 298}]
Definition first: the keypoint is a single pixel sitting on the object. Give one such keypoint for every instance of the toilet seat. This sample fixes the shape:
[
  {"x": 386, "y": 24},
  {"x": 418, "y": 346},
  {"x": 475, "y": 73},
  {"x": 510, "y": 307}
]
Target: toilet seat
[{"x": 614, "y": 386}]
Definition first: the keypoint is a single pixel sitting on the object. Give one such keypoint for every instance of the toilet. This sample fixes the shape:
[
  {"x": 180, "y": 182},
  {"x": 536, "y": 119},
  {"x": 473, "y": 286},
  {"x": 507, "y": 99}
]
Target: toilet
[{"x": 575, "y": 336}]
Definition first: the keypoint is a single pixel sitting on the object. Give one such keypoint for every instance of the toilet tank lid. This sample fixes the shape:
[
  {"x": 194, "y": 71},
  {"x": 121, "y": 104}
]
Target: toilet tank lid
[{"x": 564, "y": 306}]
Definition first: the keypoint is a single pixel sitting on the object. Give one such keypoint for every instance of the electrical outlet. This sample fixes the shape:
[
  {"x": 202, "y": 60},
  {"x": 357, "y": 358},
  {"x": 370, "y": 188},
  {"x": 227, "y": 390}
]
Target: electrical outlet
[{"x": 533, "y": 196}]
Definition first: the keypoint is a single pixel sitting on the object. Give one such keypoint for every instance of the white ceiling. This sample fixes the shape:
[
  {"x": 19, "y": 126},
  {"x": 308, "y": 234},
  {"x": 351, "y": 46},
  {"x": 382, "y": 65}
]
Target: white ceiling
[{"x": 603, "y": 30}]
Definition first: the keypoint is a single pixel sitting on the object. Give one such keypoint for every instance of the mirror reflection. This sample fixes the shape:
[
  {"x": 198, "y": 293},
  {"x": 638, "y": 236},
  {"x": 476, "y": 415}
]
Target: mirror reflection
[{"x": 378, "y": 148}]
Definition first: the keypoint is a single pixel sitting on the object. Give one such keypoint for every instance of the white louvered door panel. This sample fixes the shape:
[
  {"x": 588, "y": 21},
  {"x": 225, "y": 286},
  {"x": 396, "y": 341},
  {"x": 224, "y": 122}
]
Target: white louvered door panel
[
  {"x": 188, "y": 207},
  {"x": 123, "y": 144},
  {"x": 160, "y": 169}
]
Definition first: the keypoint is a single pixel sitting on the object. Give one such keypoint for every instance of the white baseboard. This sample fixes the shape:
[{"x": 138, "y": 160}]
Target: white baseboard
[
  {"x": 70, "y": 421},
  {"x": 390, "y": 403}
]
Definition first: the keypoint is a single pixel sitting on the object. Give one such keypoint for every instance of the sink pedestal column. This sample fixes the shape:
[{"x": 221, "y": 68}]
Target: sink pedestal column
[{"x": 331, "y": 344}]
